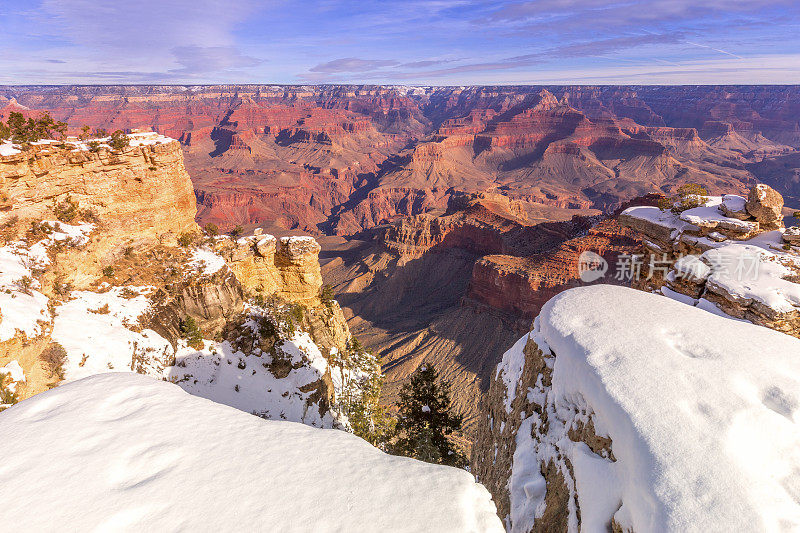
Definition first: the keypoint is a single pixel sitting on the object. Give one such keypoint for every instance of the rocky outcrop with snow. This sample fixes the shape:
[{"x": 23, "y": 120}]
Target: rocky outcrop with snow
[
  {"x": 729, "y": 254},
  {"x": 125, "y": 452},
  {"x": 634, "y": 412},
  {"x": 86, "y": 290}
]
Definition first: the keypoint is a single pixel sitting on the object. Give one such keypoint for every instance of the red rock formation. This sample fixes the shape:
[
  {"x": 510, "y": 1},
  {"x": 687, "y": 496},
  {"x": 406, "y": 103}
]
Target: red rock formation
[{"x": 339, "y": 159}]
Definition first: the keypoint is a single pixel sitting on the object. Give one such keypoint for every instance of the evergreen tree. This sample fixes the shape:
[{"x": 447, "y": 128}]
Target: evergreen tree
[{"x": 425, "y": 421}]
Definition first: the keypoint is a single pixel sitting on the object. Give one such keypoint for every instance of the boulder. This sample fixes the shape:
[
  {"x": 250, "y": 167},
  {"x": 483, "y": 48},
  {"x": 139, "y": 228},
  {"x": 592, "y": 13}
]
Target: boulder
[
  {"x": 765, "y": 204},
  {"x": 792, "y": 235},
  {"x": 733, "y": 206}
]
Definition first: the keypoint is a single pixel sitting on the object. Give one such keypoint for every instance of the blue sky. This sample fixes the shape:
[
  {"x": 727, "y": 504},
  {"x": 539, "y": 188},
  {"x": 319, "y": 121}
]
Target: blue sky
[{"x": 438, "y": 42}]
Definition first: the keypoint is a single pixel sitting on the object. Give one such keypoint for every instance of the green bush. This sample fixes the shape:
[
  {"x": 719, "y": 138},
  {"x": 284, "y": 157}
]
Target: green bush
[
  {"x": 108, "y": 272},
  {"x": 23, "y": 130},
  {"x": 187, "y": 239},
  {"x": 7, "y": 396},
  {"x": 237, "y": 231},
  {"x": 326, "y": 295},
  {"x": 67, "y": 210},
  {"x": 211, "y": 229},
  {"x": 688, "y": 196},
  {"x": 119, "y": 140},
  {"x": 191, "y": 332}
]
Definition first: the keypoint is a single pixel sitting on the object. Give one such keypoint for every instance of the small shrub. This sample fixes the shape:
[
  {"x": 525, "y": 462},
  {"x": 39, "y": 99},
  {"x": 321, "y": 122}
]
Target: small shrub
[
  {"x": 62, "y": 288},
  {"x": 187, "y": 239},
  {"x": 796, "y": 215},
  {"x": 151, "y": 168},
  {"x": 94, "y": 146},
  {"x": 108, "y": 272},
  {"x": 237, "y": 231},
  {"x": 54, "y": 357},
  {"x": 326, "y": 295},
  {"x": 211, "y": 229},
  {"x": 7, "y": 396},
  {"x": 191, "y": 332},
  {"x": 119, "y": 140},
  {"x": 23, "y": 284},
  {"x": 298, "y": 313},
  {"x": 688, "y": 196},
  {"x": 8, "y": 229},
  {"x": 40, "y": 230},
  {"x": 89, "y": 215},
  {"x": 104, "y": 310},
  {"x": 66, "y": 210}
]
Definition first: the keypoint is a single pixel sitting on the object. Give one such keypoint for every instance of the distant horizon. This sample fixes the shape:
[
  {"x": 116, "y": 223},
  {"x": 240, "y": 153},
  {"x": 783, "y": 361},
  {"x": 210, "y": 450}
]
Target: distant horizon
[
  {"x": 412, "y": 42},
  {"x": 418, "y": 86}
]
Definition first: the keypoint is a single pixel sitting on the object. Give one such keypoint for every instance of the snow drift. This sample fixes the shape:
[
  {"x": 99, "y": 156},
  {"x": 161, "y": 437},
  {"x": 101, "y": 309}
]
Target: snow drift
[
  {"x": 694, "y": 417},
  {"x": 128, "y": 452}
]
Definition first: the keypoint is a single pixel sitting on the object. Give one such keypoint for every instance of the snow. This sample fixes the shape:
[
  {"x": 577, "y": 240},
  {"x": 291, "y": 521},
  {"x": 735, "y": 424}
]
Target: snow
[
  {"x": 14, "y": 371},
  {"x": 206, "y": 262},
  {"x": 20, "y": 310},
  {"x": 703, "y": 413},
  {"x": 734, "y": 203},
  {"x": 127, "y": 452},
  {"x": 297, "y": 239},
  {"x": 710, "y": 215},
  {"x": 745, "y": 273},
  {"x": 147, "y": 138},
  {"x": 100, "y": 333},
  {"x": 7, "y": 149},
  {"x": 220, "y": 373}
]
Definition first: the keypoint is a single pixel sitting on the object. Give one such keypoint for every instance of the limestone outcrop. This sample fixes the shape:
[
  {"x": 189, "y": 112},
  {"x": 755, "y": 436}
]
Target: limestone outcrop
[
  {"x": 139, "y": 194},
  {"x": 727, "y": 254},
  {"x": 102, "y": 268},
  {"x": 578, "y": 430}
]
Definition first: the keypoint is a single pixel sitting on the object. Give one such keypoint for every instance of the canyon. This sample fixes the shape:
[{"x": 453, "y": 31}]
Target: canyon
[
  {"x": 454, "y": 227},
  {"x": 341, "y": 159},
  {"x": 442, "y": 211}
]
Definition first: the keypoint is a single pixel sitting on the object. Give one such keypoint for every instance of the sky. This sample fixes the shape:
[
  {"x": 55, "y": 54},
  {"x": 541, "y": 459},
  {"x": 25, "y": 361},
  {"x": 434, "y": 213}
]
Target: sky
[{"x": 409, "y": 42}]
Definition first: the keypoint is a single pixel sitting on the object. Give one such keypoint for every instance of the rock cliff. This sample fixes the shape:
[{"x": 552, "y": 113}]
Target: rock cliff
[
  {"x": 103, "y": 268},
  {"x": 578, "y": 431}
]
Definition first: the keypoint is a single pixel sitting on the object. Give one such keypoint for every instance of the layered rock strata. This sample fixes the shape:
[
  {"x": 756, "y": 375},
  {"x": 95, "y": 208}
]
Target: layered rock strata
[{"x": 729, "y": 254}]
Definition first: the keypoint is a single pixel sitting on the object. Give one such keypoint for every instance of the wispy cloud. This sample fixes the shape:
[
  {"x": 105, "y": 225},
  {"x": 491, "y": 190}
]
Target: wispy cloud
[
  {"x": 410, "y": 41},
  {"x": 353, "y": 64}
]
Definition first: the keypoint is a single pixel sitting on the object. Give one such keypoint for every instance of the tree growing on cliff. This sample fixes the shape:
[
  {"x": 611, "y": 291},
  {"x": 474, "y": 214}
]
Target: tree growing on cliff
[
  {"x": 361, "y": 381},
  {"x": 33, "y": 129},
  {"x": 191, "y": 332},
  {"x": 5, "y": 131},
  {"x": 119, "y": 140},
  {"x": 425, "y": 421}
]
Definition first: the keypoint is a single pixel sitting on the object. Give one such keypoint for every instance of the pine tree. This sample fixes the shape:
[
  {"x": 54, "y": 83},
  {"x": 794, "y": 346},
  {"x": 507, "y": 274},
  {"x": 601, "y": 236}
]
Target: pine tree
[{"x": 425, "y": 422}]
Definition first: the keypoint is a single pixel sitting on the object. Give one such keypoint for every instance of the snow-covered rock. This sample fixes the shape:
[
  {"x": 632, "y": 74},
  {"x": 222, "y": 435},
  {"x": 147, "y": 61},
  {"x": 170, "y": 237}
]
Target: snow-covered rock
[
  {"x": 737, "y": 267},
  {"x": 628, "y": 406},
  {"x": 127, "y": 452}
]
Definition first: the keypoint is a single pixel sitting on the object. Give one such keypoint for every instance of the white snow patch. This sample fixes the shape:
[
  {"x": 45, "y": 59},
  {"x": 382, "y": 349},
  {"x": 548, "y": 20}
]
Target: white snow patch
[
  {"x": 14, "y": 372},
  {"x": 127, "y": 452},
  {"x": 206, "y": 262},
  {"x": 220, "y": 373},
  {"x": 8, "y": 148},
  {"x": 99, "y": 333}
]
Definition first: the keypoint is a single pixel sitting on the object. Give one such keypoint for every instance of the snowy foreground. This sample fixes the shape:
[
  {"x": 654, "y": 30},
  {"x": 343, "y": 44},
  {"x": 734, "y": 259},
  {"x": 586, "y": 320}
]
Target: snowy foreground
[
  {"x": 128, "y": 452},
  {"x": 703, "y": 413}
]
